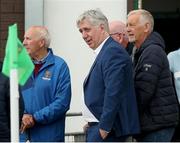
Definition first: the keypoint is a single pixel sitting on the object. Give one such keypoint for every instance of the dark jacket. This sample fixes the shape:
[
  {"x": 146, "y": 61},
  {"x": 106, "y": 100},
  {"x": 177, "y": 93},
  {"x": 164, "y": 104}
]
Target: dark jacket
[
  {"x": 109, "y": 91},
  {"x": 129, "y": 48},
  {"x": 158, "y": 106},
  {"x": 5, "y": 108}
]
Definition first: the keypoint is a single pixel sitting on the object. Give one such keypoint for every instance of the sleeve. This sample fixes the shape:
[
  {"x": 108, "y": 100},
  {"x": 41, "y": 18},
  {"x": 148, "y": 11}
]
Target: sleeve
[
  {"x": 114, "y": 70},
  {"x": 21, "y": 106},
  {"x": 61, "y": 103},
  {"x": 171, "y": 64},
  {"x": 147, "y": 74}
]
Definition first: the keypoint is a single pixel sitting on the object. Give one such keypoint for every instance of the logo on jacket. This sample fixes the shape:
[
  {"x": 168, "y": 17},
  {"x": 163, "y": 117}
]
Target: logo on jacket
[
  {"x": 147, "y": 67},
  {"x": 47, "y": 75}
]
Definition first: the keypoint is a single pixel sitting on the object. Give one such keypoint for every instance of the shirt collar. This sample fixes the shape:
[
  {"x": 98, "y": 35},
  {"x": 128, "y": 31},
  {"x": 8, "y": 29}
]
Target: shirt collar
[
  {"x": 98, "y": 49},
  {"x": 43, "y": 60}
]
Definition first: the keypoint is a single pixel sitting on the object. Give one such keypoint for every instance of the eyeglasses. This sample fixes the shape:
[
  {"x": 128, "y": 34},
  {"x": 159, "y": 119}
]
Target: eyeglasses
[{"x": 115, "y": 33}]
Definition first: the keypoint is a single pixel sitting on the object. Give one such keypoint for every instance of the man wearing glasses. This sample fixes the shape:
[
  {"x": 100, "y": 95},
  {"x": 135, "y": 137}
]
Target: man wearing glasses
[{"x": 119, "y": 34}]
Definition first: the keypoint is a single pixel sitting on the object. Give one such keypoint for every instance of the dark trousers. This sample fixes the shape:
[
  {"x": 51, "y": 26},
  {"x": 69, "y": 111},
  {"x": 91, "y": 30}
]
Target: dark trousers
[
  {"x": 176, "y": 136},
  {"x": 93, "y": 135},
  {"x": 162, "y": 135}
]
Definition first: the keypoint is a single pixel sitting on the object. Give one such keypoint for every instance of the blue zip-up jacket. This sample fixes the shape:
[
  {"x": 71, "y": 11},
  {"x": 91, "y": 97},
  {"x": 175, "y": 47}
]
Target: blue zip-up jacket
[{"x": 47, "y": 97}]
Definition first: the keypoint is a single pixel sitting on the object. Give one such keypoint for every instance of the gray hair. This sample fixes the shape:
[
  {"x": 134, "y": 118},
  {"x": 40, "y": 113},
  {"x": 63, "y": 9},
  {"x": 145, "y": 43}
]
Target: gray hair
[
  {"x": 145, "y": 16},
  {"x": 43, "y": 33},
  {"x": 95, "y": 17}
]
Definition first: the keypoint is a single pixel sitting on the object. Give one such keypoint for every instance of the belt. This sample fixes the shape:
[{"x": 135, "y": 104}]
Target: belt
[{"x": 92, "y": 123}]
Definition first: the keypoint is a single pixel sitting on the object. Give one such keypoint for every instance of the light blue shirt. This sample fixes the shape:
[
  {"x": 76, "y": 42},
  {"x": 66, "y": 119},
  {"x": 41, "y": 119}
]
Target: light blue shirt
[{"x": 174, "y": 59}]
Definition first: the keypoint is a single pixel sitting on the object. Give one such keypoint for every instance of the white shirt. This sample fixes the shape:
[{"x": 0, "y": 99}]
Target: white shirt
[{"x": 87, "y": 115}]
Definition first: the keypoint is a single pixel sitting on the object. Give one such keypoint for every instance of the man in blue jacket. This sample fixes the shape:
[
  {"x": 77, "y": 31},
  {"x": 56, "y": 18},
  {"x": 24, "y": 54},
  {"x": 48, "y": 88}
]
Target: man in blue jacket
[
  {"x": 47, "y": 93},
  {"x": 110, "y": 103}
]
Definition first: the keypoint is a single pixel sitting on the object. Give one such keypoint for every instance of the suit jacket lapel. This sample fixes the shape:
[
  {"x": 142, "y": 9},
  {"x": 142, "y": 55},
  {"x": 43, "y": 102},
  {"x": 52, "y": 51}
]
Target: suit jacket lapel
[
  {"x": 90, "y": 71},
  {"x": 100, "y": 53}
]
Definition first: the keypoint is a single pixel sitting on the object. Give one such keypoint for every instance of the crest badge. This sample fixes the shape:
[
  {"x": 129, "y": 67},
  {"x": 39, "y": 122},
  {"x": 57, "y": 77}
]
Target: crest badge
[{"x": 47, "y": 75}]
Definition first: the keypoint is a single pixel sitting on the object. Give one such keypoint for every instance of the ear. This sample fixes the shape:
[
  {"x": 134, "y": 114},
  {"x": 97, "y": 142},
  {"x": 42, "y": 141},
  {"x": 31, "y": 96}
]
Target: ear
[
  {"x": 147, "y": 27},
  {"x": 42, "y": 43},
  {"x": 101, "y": 26},
  {"x": 121, "y": 36}
]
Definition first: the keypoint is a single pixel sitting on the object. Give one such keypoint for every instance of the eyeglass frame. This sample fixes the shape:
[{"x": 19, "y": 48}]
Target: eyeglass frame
[{"x": 115, "y": 33}]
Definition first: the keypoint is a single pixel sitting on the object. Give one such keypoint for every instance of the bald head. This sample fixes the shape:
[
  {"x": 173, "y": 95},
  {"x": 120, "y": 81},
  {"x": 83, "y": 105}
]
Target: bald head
[
  {"x": 117, "y": 27},
  {"x": 118, "y": 32},
  {"x": 41, "y": 32}
]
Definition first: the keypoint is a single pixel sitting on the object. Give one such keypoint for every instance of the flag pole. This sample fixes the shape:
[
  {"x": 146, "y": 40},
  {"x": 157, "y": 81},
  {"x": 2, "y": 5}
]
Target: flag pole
[
  {"x": 14, "y": 94},
  {"x": 14, "y": 106},
  {"x": 139, "y": 4}
]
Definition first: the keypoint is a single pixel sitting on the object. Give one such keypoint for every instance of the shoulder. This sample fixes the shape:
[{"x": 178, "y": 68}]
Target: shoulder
[
  {"x": 115, "y": 47},
  {"x": 59, "y": 60},
  {"x": 60, "y": 64},
  {"x": 154, "y": 51},
  {"x": 173, "y": 54},
  {"x": 56, "y": 60}
]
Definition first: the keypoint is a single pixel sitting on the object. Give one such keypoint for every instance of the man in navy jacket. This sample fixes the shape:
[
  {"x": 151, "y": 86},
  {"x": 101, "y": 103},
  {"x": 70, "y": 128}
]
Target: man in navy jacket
[
  {"x": 157, "y": 103},
  {"x": 110, "y": 104}
]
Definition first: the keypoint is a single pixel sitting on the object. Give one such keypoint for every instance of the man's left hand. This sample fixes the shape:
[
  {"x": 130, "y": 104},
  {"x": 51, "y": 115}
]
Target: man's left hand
[{"x": 103, "y": 133}]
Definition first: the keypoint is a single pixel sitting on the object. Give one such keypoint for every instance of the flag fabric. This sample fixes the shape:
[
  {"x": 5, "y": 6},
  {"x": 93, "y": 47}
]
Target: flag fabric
[{"x": 16, "y": 57}]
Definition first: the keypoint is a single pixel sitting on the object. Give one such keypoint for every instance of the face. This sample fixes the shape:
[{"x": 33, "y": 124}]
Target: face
[
  {"x": 32, "y": 42},
  {"x": 136, "y": 31},
  {"x": 117, "y": 37},
  {"x": 92, "y": 35}
]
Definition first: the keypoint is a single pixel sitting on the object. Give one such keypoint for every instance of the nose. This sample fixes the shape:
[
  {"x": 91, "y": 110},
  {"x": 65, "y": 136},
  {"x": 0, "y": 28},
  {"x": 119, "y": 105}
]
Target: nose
[
  {"x": 84, "y": 35},
  {"x": 128, "y": 30},
  {"x": 24, "y": 42}
]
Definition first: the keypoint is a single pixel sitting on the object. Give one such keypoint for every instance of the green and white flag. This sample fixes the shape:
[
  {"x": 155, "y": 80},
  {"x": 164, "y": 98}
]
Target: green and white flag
[
  {"x": 18, "y": 66},
  {"x": 16, "y": 57}
]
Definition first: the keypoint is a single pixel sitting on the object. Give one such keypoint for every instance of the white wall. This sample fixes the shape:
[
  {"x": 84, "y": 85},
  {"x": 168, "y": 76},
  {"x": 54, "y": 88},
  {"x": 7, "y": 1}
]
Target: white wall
[
  {"x": 60, "y": 18},
  {"x": 34, "y": 11}
]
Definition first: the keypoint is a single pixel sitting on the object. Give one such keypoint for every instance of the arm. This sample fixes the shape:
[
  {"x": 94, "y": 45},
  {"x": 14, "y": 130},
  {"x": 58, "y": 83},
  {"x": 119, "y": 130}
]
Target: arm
[
  {"x": 61, "y": 103},
  {"x": 147, "y": 73},
  {"x": 114, "y": 69}
]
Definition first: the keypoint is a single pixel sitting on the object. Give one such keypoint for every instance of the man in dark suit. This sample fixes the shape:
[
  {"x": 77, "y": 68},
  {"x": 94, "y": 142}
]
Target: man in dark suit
[{"x": 110, "y": 104}]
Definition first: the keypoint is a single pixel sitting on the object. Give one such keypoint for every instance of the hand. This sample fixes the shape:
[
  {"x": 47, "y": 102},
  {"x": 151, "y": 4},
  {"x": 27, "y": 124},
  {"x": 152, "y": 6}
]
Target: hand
[
  {"x": 85, "y": 128},
  {"x": 103, "y": 133},
  {"x": 27, "y": 122}
]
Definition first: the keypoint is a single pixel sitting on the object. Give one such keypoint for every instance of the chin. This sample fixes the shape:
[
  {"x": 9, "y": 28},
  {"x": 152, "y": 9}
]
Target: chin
[{"x": 132, "y": 40}]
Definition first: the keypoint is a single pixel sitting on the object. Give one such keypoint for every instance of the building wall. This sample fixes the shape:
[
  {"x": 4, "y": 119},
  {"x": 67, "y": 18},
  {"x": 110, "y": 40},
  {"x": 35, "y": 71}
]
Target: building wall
[{"x": 11, "y": 11}]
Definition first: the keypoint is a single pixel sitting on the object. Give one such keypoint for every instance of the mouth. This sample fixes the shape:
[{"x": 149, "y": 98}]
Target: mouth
[
  {"x": 130, "y": 35},
  {"x": 88, "y": 42},
  {"x": 27, "y": 49},
  {"x": 131, "y": 38}
]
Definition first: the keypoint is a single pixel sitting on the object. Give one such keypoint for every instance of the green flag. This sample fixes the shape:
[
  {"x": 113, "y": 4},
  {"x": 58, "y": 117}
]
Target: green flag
[{"x": 16, "y": 57}]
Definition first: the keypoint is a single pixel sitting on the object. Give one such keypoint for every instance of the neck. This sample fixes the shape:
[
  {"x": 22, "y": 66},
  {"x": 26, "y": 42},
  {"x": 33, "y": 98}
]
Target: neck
[
  {"x": 140, "y": 42},
  {"x": 40, "y": 55}
]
